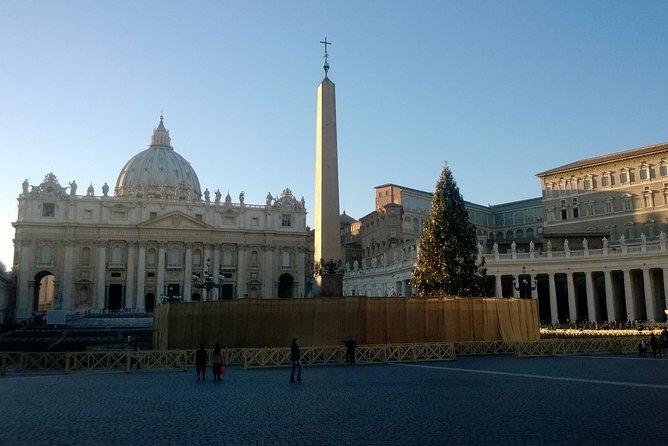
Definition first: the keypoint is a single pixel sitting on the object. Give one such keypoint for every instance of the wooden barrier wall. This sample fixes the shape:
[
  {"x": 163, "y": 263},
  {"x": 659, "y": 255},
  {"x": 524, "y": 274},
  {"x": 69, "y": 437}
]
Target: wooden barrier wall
[{"x": 255, "y": 323}]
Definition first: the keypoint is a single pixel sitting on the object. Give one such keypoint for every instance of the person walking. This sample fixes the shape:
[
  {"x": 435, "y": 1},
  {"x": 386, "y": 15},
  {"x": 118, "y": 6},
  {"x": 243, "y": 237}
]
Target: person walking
[
  {"x": 200, "y": 362},
  {"x": 217, "y": 362},
  {"x": 663, "y": 341},
  {"x": 654, "y": 343},
  {"x": 295, "y": 359},
  {"x": 351, "y": 346}
]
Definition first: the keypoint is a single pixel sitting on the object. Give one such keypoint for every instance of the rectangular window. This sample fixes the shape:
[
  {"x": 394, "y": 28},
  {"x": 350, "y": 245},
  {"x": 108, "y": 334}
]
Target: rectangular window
[
  {"x": 644, "y": 174},
  {"x": 663, "y": 170},
  {"x": 199, "y": 217},
  {"x": 153, "y": 215},
  {"x": 286, "y": 220},
  {"x": 624, "y": 177},
  {"x": 255, "y": 221},
  {"x": 118, "y": 214},
  {"x": 48, "y": 210},
  {"x": 576, "y": 213},
  {"x": 564, "y": 214},
  {"x": 229, "y": 220},
  {"x": 605, "y": 181},
  {"x": 609, "y": 208},
  {"x": 88, "y": 214}
]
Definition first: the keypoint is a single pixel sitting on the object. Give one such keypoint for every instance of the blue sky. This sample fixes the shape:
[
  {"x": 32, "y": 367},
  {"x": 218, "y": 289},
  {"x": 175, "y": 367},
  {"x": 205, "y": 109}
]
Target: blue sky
[{"x": 501, "y": 90}]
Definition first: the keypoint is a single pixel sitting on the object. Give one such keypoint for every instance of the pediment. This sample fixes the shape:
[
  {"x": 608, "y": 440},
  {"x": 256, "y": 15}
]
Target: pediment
[{"x": 175, "y": 220}]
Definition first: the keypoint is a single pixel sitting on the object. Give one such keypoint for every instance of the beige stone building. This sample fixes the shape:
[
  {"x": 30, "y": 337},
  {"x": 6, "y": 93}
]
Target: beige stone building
[
  {"x": 158, "y": 237},
  {"x": 593, "y": 244}
]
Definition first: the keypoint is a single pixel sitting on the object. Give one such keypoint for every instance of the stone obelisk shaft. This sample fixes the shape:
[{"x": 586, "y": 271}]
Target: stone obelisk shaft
[{"x": 327, "y": 231}]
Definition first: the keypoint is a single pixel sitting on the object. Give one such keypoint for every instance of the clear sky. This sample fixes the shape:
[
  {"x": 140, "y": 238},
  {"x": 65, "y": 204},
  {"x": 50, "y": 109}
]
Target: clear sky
[{"x": 501, "y": 90}]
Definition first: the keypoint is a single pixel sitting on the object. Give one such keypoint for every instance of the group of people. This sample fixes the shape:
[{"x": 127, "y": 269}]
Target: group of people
[
  {"x": 217, "y": 363},
  {"x": 658, "y": 345}
]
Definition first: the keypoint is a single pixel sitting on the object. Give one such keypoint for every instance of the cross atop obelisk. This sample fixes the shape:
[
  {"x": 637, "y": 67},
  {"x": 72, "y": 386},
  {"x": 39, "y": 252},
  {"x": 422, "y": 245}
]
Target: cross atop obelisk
[{"x": 325, "y": 65}]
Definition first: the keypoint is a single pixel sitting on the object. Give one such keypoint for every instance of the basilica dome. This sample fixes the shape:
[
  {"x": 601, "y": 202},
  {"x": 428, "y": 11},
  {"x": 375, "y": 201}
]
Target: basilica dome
[{"x": 159, "y": 172}]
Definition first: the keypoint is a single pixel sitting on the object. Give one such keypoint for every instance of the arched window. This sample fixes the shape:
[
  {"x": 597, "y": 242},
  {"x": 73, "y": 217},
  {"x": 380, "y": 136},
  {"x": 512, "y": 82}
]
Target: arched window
[
  {"x": 529, "y": 233},
  {"x": 519, "y": 234},
  {"x": 509, "y": 235},
  {"x": 499, "y": 235}
]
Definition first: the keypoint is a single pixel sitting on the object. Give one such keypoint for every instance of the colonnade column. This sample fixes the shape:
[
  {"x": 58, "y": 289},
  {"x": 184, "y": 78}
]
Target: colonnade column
[
  {"x": 628, "y": 296},
  {"x": 572, "y": 309},
  {"x": 160, "y": 281},
  {"x": 592, "y": 314},
  {"x": 609, "y": 296},
  {"x": 101, "y": 276},
  {"x": 141, "y": 275},
  {"x": 498, "y": 289},
  {"x": 650, "y": 304},
  {"x": 554, "y": 311},
  {"x": 67, "y": 278},
  {"x": 188, "y": 274}
]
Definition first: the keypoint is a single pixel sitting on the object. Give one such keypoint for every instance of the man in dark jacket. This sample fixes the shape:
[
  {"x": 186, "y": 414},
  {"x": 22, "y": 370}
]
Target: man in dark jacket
[
  {"x": 201, "y": 357},
  {"x": 295, "y": 358}
]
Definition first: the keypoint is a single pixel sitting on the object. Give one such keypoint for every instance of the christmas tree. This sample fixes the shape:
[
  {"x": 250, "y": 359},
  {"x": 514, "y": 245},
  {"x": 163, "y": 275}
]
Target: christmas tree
[{"x": 448, "y": 246}]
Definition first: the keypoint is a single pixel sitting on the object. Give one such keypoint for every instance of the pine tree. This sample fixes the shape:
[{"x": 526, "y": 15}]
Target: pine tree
[{"x": 447, "y": 254}]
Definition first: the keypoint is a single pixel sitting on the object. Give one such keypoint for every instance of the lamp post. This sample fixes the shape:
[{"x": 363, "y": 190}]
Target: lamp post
[
  {"x": 525, "y": 284},
  {"x": 206, "y": 280}
]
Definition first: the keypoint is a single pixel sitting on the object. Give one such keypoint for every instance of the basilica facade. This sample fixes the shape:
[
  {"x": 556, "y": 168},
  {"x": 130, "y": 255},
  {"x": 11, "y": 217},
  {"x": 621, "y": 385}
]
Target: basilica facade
[
  {"x": 591, "y": 247},
  {"x": 156, "y": 237}
]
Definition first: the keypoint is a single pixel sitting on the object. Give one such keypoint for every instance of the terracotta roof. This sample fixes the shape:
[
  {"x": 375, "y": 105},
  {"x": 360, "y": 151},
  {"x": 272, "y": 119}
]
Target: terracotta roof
[{"x": 590, "y": 162}]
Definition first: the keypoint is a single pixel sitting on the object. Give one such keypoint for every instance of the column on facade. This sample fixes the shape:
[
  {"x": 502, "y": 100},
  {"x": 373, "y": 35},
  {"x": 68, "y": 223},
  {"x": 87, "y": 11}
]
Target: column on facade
[
  {"x": 554, "y": 310},
  {"x": 628, "y": 296},
  {"x": 216, "y": 264},
  {"x": 268, "y": 272},
  {"x": 609, "y": 296},
  {"x": 498, "y": 288},
  {"x": 141, "y": 276},
  {"x": 188, "y": 273},
  {"x": 650, "y": 304},
  {"x": 160, "y": 280},
  {"x": 572, "y": 308},
  {"x": 101, "y": 275},
  {"x": 131, "y": 268},
  {"x": 67, "y": 278},
  {"x": 592, "y": 314},
  {"x": 301, "y": 271},
  {"x": 26, "y": 299},
  {"x": 242, "y": 270},
  {"x": 210, "y": 253}
]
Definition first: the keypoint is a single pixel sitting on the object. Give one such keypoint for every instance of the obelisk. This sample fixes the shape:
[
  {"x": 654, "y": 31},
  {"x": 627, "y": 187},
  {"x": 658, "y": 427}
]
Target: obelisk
[{"x": 327, "y": 249}]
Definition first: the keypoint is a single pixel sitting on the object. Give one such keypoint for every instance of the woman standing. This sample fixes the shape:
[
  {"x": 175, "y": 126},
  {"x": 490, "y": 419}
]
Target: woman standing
[{"x": 217, "y": 362}]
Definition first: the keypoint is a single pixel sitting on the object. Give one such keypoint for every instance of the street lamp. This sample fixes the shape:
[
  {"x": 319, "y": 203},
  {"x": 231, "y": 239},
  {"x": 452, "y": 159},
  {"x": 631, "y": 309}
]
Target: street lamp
[
  {"x": 526, "y": 285},
  {"x": 206, "y": 280}
]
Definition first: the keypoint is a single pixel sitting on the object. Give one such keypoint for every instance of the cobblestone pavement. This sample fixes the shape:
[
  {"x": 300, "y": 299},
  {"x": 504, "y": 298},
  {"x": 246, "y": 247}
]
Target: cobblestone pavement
[{"x": 475, "y": 400}]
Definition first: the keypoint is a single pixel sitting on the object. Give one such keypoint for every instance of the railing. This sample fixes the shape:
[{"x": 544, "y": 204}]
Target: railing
[{"x": 324, "y": 355}]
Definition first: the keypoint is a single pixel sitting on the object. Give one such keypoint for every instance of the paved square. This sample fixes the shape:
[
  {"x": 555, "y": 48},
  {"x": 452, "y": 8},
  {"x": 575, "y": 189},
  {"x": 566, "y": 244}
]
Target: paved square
[{"x": 474, "y": 400}]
